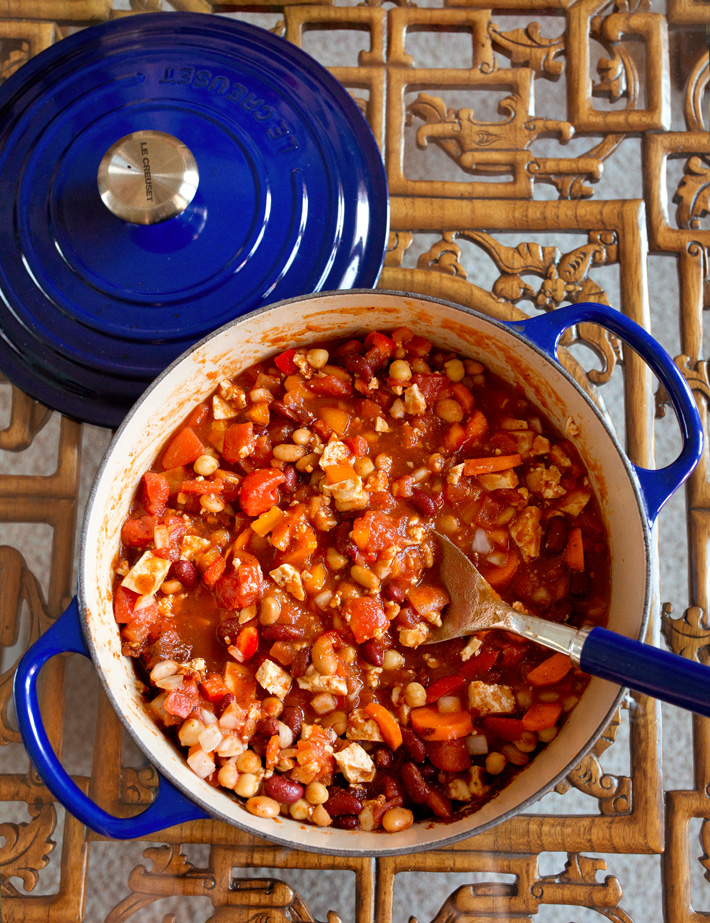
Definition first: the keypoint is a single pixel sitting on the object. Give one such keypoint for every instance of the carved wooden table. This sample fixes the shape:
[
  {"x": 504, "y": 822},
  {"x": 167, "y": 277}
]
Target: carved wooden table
[{"x": 538, "y": 152}]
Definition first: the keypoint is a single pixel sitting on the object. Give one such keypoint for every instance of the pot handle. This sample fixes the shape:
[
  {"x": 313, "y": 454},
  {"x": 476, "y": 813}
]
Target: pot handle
[
  {"x": 657, "y": 485},
  {"x": 169, "y": 807}
]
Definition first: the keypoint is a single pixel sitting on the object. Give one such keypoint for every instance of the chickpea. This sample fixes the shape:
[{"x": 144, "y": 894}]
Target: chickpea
[
  {"x": 454, "y": 369},
  {"x": 546, "y": 734},
  {"x": 206, "y": 465},
  {"x": 495, "y": 763},
  {"x": 397, "y": 819},
  {"x": 400, "y": 370},
  {"x": 272, "y": 706},
  {"x": 228, "y": 775},
  {"x": 248, "y": 762},
  {"x": 334, "y": 559},
  {"x": 392, "y": 660},
  {"x": 527, "y": 742},
  {"x": 415, "y": 695},
  {"x": 449, "y": 410},
  {"x": 448, "y": 524},
  {"x": 171, "y": 587},
  {"x": 337, "y": 720},
  {"x": 317, "y": 358},
  {"x": 363, "y": 467},
  {"x": 211, "y": 504},
  {"x": 316, "y": 793},
  {"x": 247, "y": 785},
  {"x": 299, "y": 809},
  {"x": 320, "y": 817}
]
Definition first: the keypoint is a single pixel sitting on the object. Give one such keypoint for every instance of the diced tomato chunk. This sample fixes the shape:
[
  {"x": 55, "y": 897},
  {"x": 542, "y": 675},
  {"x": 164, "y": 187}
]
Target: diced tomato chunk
[
  {"x": 447, "y": 685},
  {"x": 239, "y": 442},
  {"x": 246, "y": 644},
  {"x": 259, "y": 492},
  {"x": 156, "y": 491},
  {"x": 214, "y": 687},
  {"x": 357, "y": 445},
  {"x": 375, "y": 531},
  {"x": 331, "y": 386},
  {"x": 241, "y": 586},
  {"x": 366, "y": 617},
  {"x": 137, "y": 533},
  {"x": 479, "y": 665},
  {"x": 123, "y": 602},
  {"x": 284, "y": 362},
  {"x": 181, "y": 701},
  {"x": 449, "y": 755},
  {"x": 506, "y": 728},
  {"x": 184, "y": 449}
]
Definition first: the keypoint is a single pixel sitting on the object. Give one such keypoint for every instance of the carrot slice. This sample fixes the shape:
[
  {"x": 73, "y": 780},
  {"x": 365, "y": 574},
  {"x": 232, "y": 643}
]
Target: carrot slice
[
  {"x": 272, "y": 751},
  {"x": 488, "y": 465},
  {"x": 550, "y": 671},
  {"x": 184, "y": 449},
  {"x": 541, "y": 715},
  {"x": 431, "y": 724},
  {"x": 387, "y": 723},
  {"x": 573, "y": 555}
]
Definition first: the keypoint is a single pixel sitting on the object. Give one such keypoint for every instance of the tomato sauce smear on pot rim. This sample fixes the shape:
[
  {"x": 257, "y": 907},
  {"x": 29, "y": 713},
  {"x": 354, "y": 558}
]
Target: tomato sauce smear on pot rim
[{"x": 277, "y": 579}]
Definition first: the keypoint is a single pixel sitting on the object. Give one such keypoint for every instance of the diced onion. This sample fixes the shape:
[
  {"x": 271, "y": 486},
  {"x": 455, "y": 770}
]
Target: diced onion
[
  {"x": 449, "y": 704},
  {"x": 481, "y": 543},
  {"x": 499, "y": 558},
  {"x": 476, "y": 744}
]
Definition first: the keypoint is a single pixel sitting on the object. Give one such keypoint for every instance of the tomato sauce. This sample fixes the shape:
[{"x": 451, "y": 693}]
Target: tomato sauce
[{"x": 278, "y": 583}]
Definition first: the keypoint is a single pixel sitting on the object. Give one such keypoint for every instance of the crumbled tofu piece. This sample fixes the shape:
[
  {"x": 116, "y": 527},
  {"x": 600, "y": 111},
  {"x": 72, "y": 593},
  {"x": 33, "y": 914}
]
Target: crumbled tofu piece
[
  {"x": 500, "y": 480},
  {"x": 572, "y": 427},
  {"x": 560, "y": 458},
  {"x": 314, "y": 681},
  {"x": 192, "y": 545},
  {"x": 413, "y": 637},
  {"x": 476, "y": 785},
  {"x": 545, "y": 481},
  {"x": 490, "y": 699},
  {"x": 196, "y": 666},
  {"x": 471, "y": 648},
  {"x": 271, "y": 677},
  {"x": 526, "y": 532},
  {"x": 414, "y": 400},
  {"x": 362, "y": 727},
  {"x": 397, "y": 409},
  {"x": 348, "y": 494},
  {"x": 232, "y": 393},
  {"x": 287, "y": 577},
  {"x": 381, "y": 426},
  {"x": 525, "y": 440},
  {"x": 335, "y": 453},
  {"x": 458, "y": 790},
  {"x": 355, "y": 764},
  {"x": 575, "y": 501},
  {"x": 147, "y": 574},
  {"x": 303, "y": 365},
  {"x": 416, "y": 532},
  {"x": 223, "y": 410},
  {"x": 510, "y": 424},
  {"x": 371, "y": 675},
  {"x": 377, "y": 481},
  {"x": 540, "y": 446},
  {"x": 455, "y": 474},
  {"x": 165, "y": 606}
]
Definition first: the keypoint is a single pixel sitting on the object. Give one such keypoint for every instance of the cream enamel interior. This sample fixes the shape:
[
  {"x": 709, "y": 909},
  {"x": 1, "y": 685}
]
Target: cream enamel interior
[{"x": 317, "y": 318}]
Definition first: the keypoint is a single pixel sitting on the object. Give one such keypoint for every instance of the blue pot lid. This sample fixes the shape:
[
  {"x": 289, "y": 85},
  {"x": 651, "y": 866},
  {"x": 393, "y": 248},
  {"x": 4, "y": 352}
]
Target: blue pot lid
[{"x": 291, "y": 199}]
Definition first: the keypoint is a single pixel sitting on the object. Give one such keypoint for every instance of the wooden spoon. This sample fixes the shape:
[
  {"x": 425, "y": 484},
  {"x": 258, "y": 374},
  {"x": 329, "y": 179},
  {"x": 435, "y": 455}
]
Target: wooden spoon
[{"x": 475, "y": 606}]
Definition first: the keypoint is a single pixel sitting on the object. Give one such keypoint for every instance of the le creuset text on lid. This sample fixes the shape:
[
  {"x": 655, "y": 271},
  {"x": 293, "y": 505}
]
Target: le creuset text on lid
[{"x": 161, "y": 175}]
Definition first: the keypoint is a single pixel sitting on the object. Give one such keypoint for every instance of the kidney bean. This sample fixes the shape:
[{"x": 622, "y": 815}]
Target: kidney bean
[
  {"x": 185, "y": 572},
  {"x": 227, "y": 631},
  {"x": 407, "y": 617},
  {"x": 226, "y": 700},
  {"x": 580, "y": 585},
  {"x": 393, "y": 789},
  {"x": 291, "y": 482},
  {"x": 423, "y": 502},
  {"x": 413, "y": 745},
  {"x": 422, "y": 675},
  {"x": 346, "y": 822},
  {"x": 300, "y": 663},
  {"x": 343, "y": 543},
  {"x": 359, "y": 366},
  {"x": 429, "y": 772},
  {"x": 283, "y": 410},
  {"x": 417, "y": 789},
  {"x": 382, "y": 757},
  {"x": 439, "y": 803},
  {"x": 556, "y": 535},
  {"x": 394, "y": 591},
  {"x": 342, "y": 802},
  {"x": 281, "y": 632},
  {"x": 292, "y": 717},
  {"x": 559, "y": 611},
  {"x": 265, "y": 730},
  {"x": 285, "y": 791},
  {"x": 372, "y": 652}
]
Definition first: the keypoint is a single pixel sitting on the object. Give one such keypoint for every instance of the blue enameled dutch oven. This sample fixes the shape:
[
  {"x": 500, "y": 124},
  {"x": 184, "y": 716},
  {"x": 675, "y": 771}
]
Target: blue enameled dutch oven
[
  {"x": 524, "y": 354},
  {"x": 161, "y": 175}
]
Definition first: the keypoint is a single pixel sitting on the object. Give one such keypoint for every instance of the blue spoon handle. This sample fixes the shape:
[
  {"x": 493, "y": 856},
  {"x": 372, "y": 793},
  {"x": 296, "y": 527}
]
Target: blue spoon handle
[{"x": 647, "y": 669}]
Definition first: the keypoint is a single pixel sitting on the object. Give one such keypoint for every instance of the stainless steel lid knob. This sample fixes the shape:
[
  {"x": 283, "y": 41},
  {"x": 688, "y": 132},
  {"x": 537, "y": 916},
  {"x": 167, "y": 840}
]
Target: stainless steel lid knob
[{"x": 147, "y": 177}]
